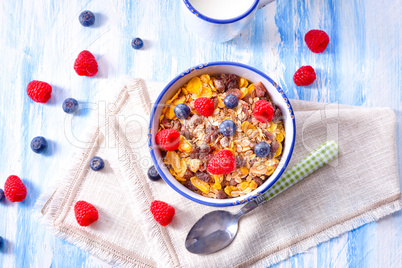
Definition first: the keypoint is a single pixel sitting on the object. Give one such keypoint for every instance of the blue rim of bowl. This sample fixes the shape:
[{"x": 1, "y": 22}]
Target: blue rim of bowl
[
  {"x": 260, "y": 191},
  {"x": 217, "y": 21}
]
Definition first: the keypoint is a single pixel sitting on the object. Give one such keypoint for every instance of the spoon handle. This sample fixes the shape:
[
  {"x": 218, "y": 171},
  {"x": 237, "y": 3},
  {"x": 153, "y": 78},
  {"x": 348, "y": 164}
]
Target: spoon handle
[{"x": 315, "y": 160}]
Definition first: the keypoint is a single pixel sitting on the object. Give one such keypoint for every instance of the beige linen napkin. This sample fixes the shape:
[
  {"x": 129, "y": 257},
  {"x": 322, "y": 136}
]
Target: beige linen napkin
[{"x": 359, "y": 187}]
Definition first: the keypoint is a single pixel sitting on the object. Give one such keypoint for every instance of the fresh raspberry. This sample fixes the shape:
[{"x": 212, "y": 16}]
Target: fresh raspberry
[
  {"x": 304, "y": 76},
  {"x": 39, "y": 91},
  {"x": 168, "y": 139},
  {"x": 163, "y": 212},
  {"x": 316, "y": 40},
  {"x": 223, "y": 162},
  {"x": 263, "y": 111},
  {"x": 85, "y": 213},
  {"x": 15, "y": 189},
  {"x": 85, "y": 64},
  {"x": 204, "y": 106}
]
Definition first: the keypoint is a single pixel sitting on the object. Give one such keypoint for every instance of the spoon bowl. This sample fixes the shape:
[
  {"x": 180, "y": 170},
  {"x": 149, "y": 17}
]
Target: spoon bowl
[{"x": 214, "y": 231}]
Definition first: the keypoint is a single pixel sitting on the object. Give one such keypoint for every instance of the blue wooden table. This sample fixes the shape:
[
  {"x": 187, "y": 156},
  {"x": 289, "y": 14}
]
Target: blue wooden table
[{"x": 40, "y": 40}]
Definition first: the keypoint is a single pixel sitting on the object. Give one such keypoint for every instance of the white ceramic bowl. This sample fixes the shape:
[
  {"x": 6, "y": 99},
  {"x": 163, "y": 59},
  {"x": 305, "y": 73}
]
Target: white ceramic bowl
[{"x": 251, "y": 74}]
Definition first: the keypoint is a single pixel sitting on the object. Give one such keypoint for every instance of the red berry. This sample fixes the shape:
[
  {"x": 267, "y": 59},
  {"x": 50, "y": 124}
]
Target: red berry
[
  {"x": 168, "y": 139},
  {"x": 263, "y": 111},
  {"x": 39, "y": 91},
  {"x": 85, "y": 64},
  {"x": 223, "y": 162},
  {"x": 204, "y": 106},
  {"x": 316, "y": 40},
  {"x": 14, "y": 189},
  {"x": 85, "y": 213},
  {"x": 163, "y": 212},
  {"x": 304, "y": 76}
]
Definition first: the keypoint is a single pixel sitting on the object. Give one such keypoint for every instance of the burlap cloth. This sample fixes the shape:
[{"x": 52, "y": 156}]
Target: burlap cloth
[{"x": 359, "y": 187}]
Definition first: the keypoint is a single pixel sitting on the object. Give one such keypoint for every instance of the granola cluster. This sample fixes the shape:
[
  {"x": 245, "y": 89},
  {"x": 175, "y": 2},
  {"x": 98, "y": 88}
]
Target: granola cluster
[{"x": 200, "y": 138}]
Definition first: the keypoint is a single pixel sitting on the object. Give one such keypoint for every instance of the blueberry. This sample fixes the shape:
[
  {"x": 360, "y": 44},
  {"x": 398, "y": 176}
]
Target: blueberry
[
  {"x": 153, "y": 174},
  {"x": 70, "y": 105},
  {"x": 1, "y": 195},
  {"x": 262, "y": 149},
  {"x": 96, "y": 163},
  {"x": 182, "y": 111},
  {"x": 38, "y": 144},
  {"x": 87, "y": 18},
  {"x": 137, "y": 43},
  {"x": 1, "y": 242},
  {"x": 231, "y": 101},
  {"x": 227, "y": 128}
]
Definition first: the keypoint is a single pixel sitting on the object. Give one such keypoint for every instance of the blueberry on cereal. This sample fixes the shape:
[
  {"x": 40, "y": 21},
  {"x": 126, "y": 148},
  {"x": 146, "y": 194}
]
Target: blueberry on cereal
[
  {"x": 227, "y": 128},
  {"x": 231, "y": 101},
  {"x": 262, "y": 149},
  {"x": 181, "y": 111}
]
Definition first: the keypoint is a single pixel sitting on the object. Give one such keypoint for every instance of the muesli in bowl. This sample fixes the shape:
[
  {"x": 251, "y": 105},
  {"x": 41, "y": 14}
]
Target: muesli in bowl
[{"x": 220, "y": 135}]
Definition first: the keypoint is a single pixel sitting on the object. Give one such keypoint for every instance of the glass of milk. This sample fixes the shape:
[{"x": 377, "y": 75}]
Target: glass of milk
[{"x": 219, "y": 20}]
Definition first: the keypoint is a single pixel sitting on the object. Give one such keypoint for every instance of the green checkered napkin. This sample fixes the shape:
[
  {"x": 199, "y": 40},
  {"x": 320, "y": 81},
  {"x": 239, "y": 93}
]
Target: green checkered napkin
[{"x": 315, "y": 160}]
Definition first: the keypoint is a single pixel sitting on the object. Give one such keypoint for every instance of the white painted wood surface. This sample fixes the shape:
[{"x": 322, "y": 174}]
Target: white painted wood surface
[{"x": 40, "y": 40}]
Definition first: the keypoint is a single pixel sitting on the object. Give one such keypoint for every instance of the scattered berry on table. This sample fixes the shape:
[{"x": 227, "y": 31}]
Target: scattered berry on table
[
  {"x": 39, "y": 91},
  {"x": 1, "y": 195},
  {"x": 87, "y": 18},
  {"x": 163, "y": 212},
  {"x": 204, "y": 106},
  {"x": 96, "y": 163},
  {"x": 15, "y": 189},
  {"x": 1, "y": 242},
  {"x": 168, "y": 139},
  {"x": 85, "y": 64},
  {"x": 231, "y": 101},
  {"x": 153, "y": 174},
  {"x": 85, "y": 213},
  {"x": 39, "y": 144},
  {"x": 227, "y": 128},
  {"x": 304, "y": 76},
  {"x": 316, "y": 40},
  {"x": 137, "y": 43},
  {"x": 70, "y": 105},
  {"x": 262, "y": 149},
  {"x": 263, "y": 111},
  {"x": 223, "y": 162},
  {"x": 181, "y": 111}
]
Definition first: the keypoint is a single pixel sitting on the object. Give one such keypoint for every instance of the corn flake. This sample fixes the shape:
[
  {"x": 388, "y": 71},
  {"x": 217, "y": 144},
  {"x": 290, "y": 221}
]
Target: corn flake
[
  {"x": 206, "y": 92},
  {"x": 194, "y": 86},
  {"x": 170, "y": 113},
  {"x": 243, "y": 82},
  {"x": 194, "y": 164},
  {"x": 205, "y": 78},
  {"x": 201, "y": 185},
  {"x": 174, "y": 97}
]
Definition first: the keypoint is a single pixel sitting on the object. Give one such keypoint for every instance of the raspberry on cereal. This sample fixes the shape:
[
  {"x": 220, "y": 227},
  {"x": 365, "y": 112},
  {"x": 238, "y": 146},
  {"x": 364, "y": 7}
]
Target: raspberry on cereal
[
  {"x": 304, "y": 76},
  {"x": 204, "y": 106},
  {"x": 39, "y": 91},
  {"x": 263, "y": 111},
  {"x": 316, "y": 40},
  {"x": 168, "y": 139},
  {"x": 223, "y": 162}
]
